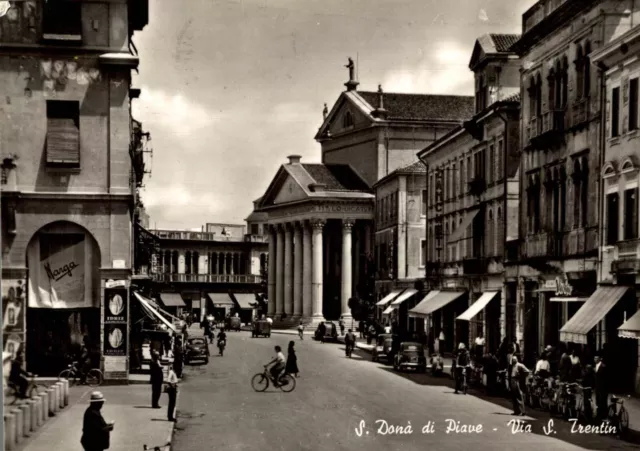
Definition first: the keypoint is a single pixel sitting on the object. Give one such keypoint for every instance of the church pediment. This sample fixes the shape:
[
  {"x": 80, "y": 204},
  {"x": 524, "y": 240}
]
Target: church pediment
[
  {"x": 350, "y": 112},
  {"x": 290, "y": 191}
]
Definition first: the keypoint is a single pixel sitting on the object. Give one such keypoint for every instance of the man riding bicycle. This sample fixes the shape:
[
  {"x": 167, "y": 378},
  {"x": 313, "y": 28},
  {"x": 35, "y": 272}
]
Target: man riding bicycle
[
  {"x": 17, "y": 376},
  {"x": 279, "y": 365},
  {"x": 349, "y": 341},
  {"x": 222, "y": 338},
  {"x": 462, "y": 362}
]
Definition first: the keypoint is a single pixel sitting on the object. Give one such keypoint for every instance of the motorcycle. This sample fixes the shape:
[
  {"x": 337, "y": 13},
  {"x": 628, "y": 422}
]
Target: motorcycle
[
  {"x": 437, "y": 365},
  {"x": 221, "y": 345}
]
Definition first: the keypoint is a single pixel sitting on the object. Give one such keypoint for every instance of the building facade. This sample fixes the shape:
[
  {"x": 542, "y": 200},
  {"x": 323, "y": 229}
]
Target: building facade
[
  {"x": 70, "y": 172},
  {"x": 471, "y": 206}
]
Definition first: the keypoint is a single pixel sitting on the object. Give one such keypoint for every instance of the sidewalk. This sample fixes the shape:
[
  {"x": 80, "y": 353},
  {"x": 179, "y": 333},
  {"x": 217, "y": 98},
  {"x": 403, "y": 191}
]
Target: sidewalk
[{"x": 136, "y": 424}]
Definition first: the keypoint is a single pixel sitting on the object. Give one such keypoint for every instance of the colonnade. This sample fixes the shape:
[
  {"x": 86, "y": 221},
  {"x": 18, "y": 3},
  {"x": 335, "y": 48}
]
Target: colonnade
[
  {"x": 296, "y": 269},
  {"x": 193, "y": 262}
]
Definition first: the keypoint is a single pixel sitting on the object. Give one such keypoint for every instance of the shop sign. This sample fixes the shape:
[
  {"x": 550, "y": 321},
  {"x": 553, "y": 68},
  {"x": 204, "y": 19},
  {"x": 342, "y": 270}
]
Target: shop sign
[
  {"x": 115, "y": 283},
  {"x": 115, "y": 339},
  {"x": 61, "y": 278},
  {"x": 14, "y": 303},
  {"x": 115, "y": 306},
  {"x": 550, "y": 285},
  {"x": 563, "y": 287}
]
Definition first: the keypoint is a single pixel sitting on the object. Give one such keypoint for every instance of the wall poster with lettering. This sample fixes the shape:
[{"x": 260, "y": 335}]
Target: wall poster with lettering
[
  {"x": 61, "y": 273},
  {"x": 115, "y": 305},
  {"x": 115, "y": 339},
  {"x": 14, "y": 304}
]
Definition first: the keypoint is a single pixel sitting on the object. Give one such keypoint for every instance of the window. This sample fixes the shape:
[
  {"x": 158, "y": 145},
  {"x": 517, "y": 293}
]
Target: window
[
  {"x": 62, "y": 20},
  {"x": 454, "y": 181},
  {"x": 254, "y": 229},
  {"x": 491, "y": 164},
  {"x": 423, "y": 212},
  {"x": 613, "y": 215},
  {"x": 423, "y": 253},
  {"x": 580, "y": 69},
  {"x": 615, "y": 112},
  {"x": 630, "y": 214},
  {"x": 63, "y": 134},
  {"x": 633, "y": 104},
  {"x": 489, "y": 236},
  {"x": 469, "y": 170},
  {"x": 587, "y": 70},
  {"x": 347, "y": 120},
  {"x": 577, "y": 192},
  {"x": 461, "y": 178},
  {"x": 584, "y": 196},
  {"x": 500, "y": 162}
]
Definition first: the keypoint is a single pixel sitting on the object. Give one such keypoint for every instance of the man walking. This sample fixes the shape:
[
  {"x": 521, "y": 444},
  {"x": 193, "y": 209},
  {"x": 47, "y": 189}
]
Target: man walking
[
  {"x": 157, "y": 378},
  {"x": 341, "y": 323},
  {"x": 95, "y": 431},
  {"x": 349, "y": 342},
  {"x": 172, "y": 391},
  {"x": 517, "y": 375}
]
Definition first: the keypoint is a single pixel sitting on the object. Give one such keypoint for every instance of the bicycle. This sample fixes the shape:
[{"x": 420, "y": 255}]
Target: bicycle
[
  {"x": 585, "y": 405},
  {"x": 461, "y": 374},
  {"x": 73, "y": 374},
  {"x": 32, "y": 390},
  {"x": 618, "y": 417},
  {"x": 260, "y": 381},
  {"x": 571, "y": 392},
  {"x": 157, "y": 448}
]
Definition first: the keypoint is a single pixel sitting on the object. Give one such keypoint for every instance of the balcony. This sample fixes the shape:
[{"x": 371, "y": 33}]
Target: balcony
[
  {"x": 209, "y": 278},
  {"x": 581, "y": 241},
  {"x": 580, "y": 113},
  {"x": 182, "y": 235},
  {"x": 532, "y": 130},
  {"x": 551, "y": 130},
  {"x": 626, "y": 256},
  {"x": 249, "y": 238},
  {"x": 536, "y": 246}
]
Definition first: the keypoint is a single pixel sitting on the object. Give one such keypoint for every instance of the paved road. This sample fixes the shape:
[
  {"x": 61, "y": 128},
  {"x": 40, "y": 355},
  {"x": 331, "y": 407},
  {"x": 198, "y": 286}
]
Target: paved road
[{"x": 219, "y": 409}]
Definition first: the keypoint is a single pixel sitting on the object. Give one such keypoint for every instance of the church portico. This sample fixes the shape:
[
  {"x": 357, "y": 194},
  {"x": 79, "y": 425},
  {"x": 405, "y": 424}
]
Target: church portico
[{"x": 318, "y": 232}]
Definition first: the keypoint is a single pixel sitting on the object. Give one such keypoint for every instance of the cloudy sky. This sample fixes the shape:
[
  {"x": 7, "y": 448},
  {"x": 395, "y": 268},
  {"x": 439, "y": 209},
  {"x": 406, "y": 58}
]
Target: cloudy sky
[{"x": 231, "y": 87}]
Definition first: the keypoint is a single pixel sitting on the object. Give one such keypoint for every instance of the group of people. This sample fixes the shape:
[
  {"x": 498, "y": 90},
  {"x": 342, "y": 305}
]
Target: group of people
[{"x": 280, "y": 364}]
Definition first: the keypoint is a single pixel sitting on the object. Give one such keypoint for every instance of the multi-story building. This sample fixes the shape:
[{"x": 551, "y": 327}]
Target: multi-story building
[
  {"x": 620, "y": 265},
  {"x": 471, "y": 205},
  {"x": 70, "y": 172},
  {"x": 365, "y": 137},
  {"x": 561, "y": 170}
]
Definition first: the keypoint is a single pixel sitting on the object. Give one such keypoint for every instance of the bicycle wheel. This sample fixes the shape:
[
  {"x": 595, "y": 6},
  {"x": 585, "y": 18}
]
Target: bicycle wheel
[
  {"x": 623, "y": 416},
  {"x": 69, "y": 375},
  {"x": 94, "y": 377},
  {"x": 260, "y": 382},
  {"x": 287, "y": 383}
]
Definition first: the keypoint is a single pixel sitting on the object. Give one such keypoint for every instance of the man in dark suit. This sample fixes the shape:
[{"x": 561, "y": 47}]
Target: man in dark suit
[
  {"x": 601, "y": 387},
  {"x": 157, "y": 378}
]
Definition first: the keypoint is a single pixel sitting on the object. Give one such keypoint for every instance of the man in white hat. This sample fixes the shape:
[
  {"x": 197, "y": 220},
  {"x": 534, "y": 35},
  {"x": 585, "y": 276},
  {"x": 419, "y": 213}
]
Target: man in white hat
[{"x": 95, "y": 431}]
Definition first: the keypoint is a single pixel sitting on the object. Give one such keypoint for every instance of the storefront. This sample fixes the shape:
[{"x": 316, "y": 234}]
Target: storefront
[{"x": 483, "y": 319}]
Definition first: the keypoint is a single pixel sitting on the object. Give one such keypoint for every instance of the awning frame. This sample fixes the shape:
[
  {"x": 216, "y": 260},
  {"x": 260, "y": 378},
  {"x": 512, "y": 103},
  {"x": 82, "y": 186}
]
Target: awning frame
[
  {"x": 406, "y": 294},
  {"x": 388, "y": 298},
  {"x": 150, "y": 309},
  {"x": 629, "y": 329},
  {"x": 431, "y": 294},
  {"x": 479, "y": 305}
]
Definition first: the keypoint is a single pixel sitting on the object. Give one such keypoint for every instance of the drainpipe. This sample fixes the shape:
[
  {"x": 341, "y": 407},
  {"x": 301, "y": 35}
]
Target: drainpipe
[
  {"x": 603, "y": 139},
  {"x": 426, "y": 222}
]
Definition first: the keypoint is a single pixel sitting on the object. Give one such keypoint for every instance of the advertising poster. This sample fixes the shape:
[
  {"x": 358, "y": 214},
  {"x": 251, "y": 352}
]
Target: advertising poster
[
  {"x": 115, "y": 305},
  {"x": 115, "y": 340},
  {"x": 61, "y": 278},
  {"x": 14, "y": 302}
]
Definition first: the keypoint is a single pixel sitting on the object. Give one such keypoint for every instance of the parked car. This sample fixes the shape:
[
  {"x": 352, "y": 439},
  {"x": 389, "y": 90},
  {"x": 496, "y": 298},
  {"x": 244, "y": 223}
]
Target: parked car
[
  {"x": 383, "y": 349},
  {"x": 410, "y": 355},
  {"x": 261, "y": 328},
  {"x": 233, "y": 323},
  {"x": 197, "y": 349},
  {"x": 326, "y": 331}
]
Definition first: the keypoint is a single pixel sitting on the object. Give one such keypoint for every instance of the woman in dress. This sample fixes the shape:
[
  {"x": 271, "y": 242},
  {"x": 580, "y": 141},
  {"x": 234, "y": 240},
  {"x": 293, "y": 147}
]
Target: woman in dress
[{"x": 292, "y": 360}]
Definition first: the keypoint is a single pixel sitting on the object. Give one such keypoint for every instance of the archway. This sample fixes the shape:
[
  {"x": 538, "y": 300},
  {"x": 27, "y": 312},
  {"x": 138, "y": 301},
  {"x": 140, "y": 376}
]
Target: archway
[{"x": 63, "y": 261}]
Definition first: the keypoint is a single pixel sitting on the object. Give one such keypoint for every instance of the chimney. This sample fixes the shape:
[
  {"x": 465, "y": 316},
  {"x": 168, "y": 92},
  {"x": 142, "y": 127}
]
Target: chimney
[{"x": 294, "y": 159}]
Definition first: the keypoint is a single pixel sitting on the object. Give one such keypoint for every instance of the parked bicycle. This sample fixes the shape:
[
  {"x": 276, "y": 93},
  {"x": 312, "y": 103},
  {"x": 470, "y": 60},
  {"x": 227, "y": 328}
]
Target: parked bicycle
[
  {"x": 32, "y": 390},
  {"x": 74, "y": 375},
  {"x": 585, "y": 405},
  {"x": 260, "y": 382},
  {"x": 618, "y": 416}
]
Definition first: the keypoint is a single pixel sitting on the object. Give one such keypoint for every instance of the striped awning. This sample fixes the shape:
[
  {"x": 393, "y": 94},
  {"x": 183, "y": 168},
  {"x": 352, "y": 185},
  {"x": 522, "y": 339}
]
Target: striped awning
[
  {"x": 478, "y": 306},
  {"x": 592, "y": 312},
  {"x": 152, "y": 312},
  {"x": 435, "y": 303},
  {"x": 403, "y": 297},
  {"x": 389, "y": 309},
  {"x": 415, "y": 312},
  {"x": 172, "y": 300},
  {"x": 220, "y": 299},
  {"x": 245, "y": 300},
  {"x": 63, "y": 141},
  {"x": 388, "y": 298},
  {"x": 631, "y": 327}
]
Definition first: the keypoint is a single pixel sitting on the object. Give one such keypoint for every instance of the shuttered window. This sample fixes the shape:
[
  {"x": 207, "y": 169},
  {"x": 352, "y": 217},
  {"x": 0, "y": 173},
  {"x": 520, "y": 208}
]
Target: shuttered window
[
  {"x": 62, "y": 20},
  {"x": 63, "y": 134}
]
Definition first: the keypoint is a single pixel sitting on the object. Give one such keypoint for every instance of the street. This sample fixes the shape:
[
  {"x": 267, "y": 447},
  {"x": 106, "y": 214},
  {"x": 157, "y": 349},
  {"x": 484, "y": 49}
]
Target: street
[{"x": 334, "y": 394}]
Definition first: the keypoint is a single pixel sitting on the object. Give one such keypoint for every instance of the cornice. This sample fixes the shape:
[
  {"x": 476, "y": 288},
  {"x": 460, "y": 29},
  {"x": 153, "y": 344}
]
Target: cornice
[{"x": 66, "y": 196}]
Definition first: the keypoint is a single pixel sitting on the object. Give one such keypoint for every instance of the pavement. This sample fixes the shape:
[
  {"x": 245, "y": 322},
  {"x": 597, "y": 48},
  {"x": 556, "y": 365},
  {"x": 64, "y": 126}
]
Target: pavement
[
  {"x": 347, "y": 404},
  {"x": 136, "y": 423}
]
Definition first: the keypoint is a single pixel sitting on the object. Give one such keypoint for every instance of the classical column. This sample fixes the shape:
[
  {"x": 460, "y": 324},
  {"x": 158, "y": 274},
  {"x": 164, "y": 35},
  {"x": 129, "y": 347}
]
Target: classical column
[
  {"x": 271, "y": 273},
  {"x": 181, "y": 265},
  {"x": 233, "y": 263},
  {"x": 347, "y": 226},
  {"x": 317, "y": 292},
  {"x": 280, "y": 273},
  {"x": 307, "y": 270},
  {"x": 288, "y": 270},
  {"x": 297, "y": 271}
]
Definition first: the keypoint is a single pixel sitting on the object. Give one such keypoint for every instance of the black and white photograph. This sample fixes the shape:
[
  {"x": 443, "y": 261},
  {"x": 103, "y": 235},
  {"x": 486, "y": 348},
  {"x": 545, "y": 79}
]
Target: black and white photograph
[{"x": 320, "y": 225}]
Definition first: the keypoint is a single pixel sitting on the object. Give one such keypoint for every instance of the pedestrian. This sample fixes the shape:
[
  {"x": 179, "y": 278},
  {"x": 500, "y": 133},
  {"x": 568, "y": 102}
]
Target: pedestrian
[
  {"x": 349, "y": 342},
  {"x": 362, "y": 328},
  {"x": 208, "y": 331},
  {"x": 292, "y": 360},
  {"x": 301, "y": 330},
  {"x": 157, "y": 378},
  {"x": 95, "y": 430},
  {"x": 172, "y": 390},
  {"x": 490, "y": 369},
  {"x": 341, "y": 323},
  {"x": 576, "y": 367},
  {"x": 517, "y": 376},
  {"x": 564, "y": 368},
  {"x": 372, "y": 333},
  {"x": 178, "y": 357},
  {"x": 479, "y": 350},
  {"x": 601, "y": 387}
]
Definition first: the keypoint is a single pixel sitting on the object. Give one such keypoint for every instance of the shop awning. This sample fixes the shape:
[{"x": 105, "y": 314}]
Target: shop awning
[
  {"x": 478, "y": 306},
  {"x": 245, "y": 300},
  {"x": 631, "y": 327},
  {"x": 466, "y": 222},
  {"x": 389, "y": 309},
  {"x": 593, "y": 311},
  {"x": 436, "y": 302},
  {"x": 220, "y": 299},
  {"x": 388, "y": 298},
  {"x": 172, "y": 300},
  {"x": 568, "y": 299},
  {"x": 403, "y": 297},
  {"x": 415, "y": 312},
  {"x": 152, "y": 312}
]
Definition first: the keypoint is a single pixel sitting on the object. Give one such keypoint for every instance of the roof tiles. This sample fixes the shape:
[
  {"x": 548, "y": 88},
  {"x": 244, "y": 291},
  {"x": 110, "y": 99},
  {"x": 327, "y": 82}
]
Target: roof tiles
[
  {"x": 422, "y": 107},
  {"x": 336, "y": 177}
]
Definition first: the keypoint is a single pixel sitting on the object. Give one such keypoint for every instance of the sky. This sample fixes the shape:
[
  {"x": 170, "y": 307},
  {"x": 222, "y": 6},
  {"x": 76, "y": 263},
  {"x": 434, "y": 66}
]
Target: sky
[{"x": 230, "y": 88}]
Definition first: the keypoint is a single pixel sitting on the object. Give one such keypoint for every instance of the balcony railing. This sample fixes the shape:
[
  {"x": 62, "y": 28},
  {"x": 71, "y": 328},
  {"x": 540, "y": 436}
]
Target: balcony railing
[
  {"x": 209, "y": 278},
  {"x": 532, "y": 130},
  {"x": 182, "y": 235},
  {"x": 553, "y": 121},
  {"x": 582, "y": 240},
  {"x": 249, "y": 238}
]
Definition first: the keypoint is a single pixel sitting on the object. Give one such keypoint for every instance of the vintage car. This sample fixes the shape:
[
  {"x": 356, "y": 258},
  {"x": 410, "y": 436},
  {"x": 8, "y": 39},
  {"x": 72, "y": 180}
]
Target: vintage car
[
  {"x": 233, "y": 323},
  {"x": 383, "y": 349},
  {"x": 196, "y": 349},
  {"x": 261, "y": 328},
  {"x": 410, "y": 355},
  {"x": 326, "y": 331}
]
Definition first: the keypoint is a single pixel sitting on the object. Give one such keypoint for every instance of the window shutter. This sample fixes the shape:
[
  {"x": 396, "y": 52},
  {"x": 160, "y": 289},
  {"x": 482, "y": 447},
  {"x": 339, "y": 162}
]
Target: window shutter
[{"x": 63, "y": 142}]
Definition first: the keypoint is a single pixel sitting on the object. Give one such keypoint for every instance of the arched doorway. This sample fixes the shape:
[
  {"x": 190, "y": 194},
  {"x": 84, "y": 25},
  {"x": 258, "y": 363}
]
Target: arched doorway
[{"x": 63, "y": 261}]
